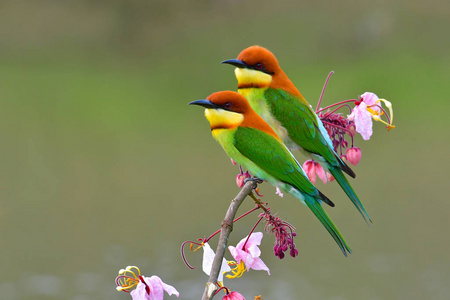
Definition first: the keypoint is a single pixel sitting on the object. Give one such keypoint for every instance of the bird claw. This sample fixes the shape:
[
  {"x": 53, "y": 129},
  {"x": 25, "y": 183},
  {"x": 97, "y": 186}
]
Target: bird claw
[{"x": 254, "y": 179}]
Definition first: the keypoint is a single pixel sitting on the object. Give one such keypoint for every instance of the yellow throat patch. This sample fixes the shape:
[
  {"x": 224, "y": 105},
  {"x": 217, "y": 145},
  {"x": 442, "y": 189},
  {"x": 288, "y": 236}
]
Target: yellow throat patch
[
  {"x": 220, "y": 118},
  {"x": 252, "y": 78}
]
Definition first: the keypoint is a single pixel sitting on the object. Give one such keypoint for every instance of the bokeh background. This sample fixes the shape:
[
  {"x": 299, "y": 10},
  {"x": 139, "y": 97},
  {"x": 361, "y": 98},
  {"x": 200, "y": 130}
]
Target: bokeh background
[{"x": 103, "y": 164}]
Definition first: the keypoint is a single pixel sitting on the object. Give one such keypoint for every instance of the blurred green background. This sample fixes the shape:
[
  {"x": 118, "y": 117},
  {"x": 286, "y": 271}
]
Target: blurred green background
[{"x": 103, "y": 164}]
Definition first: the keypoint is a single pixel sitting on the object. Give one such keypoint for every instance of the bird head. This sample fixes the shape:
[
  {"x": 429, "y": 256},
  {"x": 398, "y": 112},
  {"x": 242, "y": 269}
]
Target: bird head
[
  {"x": 255, "y": 67},
  {"x": 224, "y": 109},
  {"x": 228, "y": 110}
]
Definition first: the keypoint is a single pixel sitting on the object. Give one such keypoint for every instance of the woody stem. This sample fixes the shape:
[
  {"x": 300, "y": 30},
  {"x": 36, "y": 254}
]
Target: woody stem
[{"x": 226, "y": 228}]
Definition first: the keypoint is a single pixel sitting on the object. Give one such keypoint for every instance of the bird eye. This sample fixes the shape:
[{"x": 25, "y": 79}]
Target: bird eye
[
  {"x": 228, "y": 105},
  {"x": 259, "y": 66}
]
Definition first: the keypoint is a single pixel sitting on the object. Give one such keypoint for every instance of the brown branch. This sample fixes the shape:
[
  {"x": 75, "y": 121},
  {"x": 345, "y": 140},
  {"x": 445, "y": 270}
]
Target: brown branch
[{"x": 226, "y": 228}]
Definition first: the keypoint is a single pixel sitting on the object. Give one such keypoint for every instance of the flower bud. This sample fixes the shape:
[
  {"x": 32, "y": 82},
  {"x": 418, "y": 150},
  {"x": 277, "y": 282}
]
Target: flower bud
[
  {"x": 233, "y": 296},
  {"x": 352, "y": 129},
  {"x": 241, "y": 177},
  {"x": 293, "y": 252},
  {"x": 354, "y": 155}
]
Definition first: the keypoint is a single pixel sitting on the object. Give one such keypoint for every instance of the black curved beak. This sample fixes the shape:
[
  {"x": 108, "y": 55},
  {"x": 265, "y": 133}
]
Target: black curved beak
[
  {"x": 205, "y": 103},
  {"x": 235, "y": 62}
]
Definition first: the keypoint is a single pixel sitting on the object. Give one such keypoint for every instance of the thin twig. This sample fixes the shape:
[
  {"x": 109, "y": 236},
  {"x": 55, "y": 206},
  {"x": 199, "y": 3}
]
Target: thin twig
[{"x": 226, "y": 228}]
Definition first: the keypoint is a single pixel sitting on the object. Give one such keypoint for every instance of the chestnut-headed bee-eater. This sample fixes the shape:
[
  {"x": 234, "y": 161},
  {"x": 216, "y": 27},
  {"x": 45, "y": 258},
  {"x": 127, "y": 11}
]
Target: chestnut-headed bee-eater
[
  {"x": 275, "y": 98},
  {"x": 253, "y": 144}
]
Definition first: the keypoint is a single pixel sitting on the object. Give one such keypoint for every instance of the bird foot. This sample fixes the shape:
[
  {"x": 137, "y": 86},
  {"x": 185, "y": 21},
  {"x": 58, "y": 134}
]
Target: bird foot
[{"x": 254, "y": 179}]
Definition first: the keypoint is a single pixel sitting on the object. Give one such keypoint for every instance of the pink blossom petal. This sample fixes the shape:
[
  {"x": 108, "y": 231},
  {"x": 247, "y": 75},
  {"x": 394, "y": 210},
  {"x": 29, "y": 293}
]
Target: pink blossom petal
[
  {"x": 255, "y": 239},
  {"x": 363, "y": 120},
  {"x": 259, "y": 265},
  {"x": 253, "y": 242},
  {"x": 244, "y": 256},
  {"x": 140, "y": 293},
  {"x": 156, "y": 288},
  {"x": 370, "y": 99},
  {"x": 330, "y": 177},
  {"x": 250, "y": 262},
  {"x": 279, "y": 193},
  {"x": 310, "y": 170},
  {"x": 320, "y": 172},
  {"x": 234, "y": 253},
  {"x": 168, "y": 288}
]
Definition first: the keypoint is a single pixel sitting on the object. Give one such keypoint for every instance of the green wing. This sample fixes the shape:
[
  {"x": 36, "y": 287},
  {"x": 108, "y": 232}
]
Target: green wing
[
  {"x": 273, "y": 157},
  {"x": 301, "y": 123}
]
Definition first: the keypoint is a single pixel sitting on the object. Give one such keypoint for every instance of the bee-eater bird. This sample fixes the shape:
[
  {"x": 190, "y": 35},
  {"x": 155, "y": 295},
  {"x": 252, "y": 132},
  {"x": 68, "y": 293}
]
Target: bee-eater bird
[
  {"x": 253, "y": 144},
  {"x": 275, "y": 98}
]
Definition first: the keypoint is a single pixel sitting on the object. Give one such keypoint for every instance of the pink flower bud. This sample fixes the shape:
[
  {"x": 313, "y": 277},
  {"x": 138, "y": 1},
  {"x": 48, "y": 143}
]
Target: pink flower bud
[
  {"x": 233, "y": 296},
  {"x": 352, "y": 129},
  {"x": 354, "y": 155},
  {"x": 240, "y": 180},
  {"x": 241, "y": 177}
]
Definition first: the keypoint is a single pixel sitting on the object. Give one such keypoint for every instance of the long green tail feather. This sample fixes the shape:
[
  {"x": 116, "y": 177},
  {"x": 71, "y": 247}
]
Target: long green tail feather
[
  {"x": 320, "y": 213},
  {"x": 345, "y": 185}
]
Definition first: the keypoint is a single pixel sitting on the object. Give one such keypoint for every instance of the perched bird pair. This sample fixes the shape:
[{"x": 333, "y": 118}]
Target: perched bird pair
[{"x": 269, "y": 115}]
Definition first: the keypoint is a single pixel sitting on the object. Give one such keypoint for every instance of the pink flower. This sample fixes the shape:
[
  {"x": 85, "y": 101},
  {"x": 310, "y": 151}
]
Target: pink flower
[
  {"x": 233, "y": 296},
  {"x": 247, "y": 251},
  {"x": 354, "y": 155},
  {"x": 313, "y": 169},
  {"x": 152, "y": 289},
  {"x": 147, "y": 288},
  {"x": 363, "y": 112}
]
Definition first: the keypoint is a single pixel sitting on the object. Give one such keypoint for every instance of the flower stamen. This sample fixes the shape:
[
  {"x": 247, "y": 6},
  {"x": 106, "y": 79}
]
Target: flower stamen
[
  {"x": 391, "y": 113},
  {"x": 238, "y": 271},
  {"x": 127, "y": 279}
]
